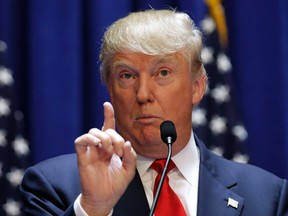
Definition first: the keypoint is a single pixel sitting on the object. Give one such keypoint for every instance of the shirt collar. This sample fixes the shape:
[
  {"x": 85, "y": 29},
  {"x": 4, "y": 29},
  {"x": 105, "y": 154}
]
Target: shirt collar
[{"x": 187, "y": 161}]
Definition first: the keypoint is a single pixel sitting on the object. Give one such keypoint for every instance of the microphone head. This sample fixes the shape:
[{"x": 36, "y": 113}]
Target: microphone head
[{"x": 168, "y": 132}]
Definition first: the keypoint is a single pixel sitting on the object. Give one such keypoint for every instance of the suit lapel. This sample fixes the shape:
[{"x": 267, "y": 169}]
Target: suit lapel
[
  {"x": 134, "y": 201},
  {"x": 214, "y": 194},
  {"x": 214, "y": 198}
]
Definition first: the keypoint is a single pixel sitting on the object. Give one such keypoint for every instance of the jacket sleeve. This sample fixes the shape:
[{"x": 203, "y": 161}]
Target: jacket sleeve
[
  {"x": 41, "y": 196},
  {"x": 283, "y": 201},
  {"x": 51, "y": 187}
]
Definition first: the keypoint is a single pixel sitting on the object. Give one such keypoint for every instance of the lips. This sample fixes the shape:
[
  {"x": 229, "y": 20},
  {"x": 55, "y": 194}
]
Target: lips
[{"x": 146, "y": 118}]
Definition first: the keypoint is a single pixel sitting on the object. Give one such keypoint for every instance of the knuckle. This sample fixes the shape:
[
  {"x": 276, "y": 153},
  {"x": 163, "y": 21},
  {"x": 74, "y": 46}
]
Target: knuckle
[
  {"x": 105, "y": 138},
  {"x": 79, "y": 140},
  {"x": 117, "y": 138},
  {"x": 93, "y": 131}
]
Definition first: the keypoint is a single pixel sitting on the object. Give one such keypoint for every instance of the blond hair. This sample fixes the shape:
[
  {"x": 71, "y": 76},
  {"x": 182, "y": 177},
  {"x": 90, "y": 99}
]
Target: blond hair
[{"x": 153, "y": 32}]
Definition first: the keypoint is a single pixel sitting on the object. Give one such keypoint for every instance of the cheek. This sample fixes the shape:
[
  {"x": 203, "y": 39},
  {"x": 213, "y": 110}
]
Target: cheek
[
  {"x": 122, "y": 102},
  {"x": 116, "y": 94},
  {"x": 183, "y": 93},
  {"x": 180, "y": 101}
]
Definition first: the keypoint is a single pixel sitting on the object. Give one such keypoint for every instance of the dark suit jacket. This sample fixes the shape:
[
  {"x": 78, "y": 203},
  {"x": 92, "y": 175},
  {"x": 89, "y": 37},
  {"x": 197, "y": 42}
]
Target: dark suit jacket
[{"x": 51, "y": 187}]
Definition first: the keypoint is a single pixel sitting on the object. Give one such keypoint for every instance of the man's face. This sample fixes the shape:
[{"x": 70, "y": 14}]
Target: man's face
[{"x": 146, "y": 90}]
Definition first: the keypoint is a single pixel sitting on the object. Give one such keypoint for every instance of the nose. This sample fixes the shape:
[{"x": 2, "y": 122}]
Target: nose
[{"x": 145, "y": 90}]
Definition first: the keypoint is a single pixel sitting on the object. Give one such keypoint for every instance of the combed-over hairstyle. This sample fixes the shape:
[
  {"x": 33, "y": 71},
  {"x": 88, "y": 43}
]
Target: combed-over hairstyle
[{"x": 153, "y": 32}]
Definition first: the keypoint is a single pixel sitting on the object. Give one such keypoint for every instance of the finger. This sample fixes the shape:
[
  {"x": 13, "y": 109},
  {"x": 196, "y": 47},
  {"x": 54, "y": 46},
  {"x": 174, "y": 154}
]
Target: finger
[
  {"x": 109, "y": 119},
  {"x": 117, "y": 141},
  {"x": 83, "y": 143},
  {"x": 129, "y": 159},
  {"x": 106, "y": 144}
]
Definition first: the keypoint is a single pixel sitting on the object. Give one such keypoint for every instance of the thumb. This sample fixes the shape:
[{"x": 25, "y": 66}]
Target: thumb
[{"x": 109, "y": 119}]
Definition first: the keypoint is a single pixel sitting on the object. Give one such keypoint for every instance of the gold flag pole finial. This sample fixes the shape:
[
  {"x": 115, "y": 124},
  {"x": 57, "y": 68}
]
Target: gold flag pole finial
[{"x": 217, "y": 12}]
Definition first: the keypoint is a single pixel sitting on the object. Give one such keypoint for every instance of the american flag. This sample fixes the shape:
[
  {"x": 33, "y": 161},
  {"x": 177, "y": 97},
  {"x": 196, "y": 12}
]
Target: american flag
[
  {"x": 14, "y": 149},
  {"x": 216, "y": 120}
]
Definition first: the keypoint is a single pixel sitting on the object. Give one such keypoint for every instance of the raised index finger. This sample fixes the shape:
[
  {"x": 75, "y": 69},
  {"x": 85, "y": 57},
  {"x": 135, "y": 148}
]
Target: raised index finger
[{"x": 109, "y": 119}]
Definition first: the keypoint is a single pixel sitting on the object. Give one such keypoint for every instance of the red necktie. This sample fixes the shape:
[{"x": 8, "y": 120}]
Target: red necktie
[{"x": 168, "y": 203}]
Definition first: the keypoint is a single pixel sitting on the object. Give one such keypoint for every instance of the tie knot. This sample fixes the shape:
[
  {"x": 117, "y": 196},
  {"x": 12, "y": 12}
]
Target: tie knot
[{"x": 158, "y": 165}]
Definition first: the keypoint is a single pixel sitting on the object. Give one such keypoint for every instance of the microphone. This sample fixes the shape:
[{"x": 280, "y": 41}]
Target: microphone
[
  {"x": 168, "y": 136},
  {"x": 168, "y": 132}
]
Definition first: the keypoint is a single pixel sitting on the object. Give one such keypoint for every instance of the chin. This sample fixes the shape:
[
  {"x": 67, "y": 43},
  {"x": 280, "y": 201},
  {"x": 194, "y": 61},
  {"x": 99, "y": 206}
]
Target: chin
[
  {"x": 150, "y": 147},
  {"x": 150, "y": 152}
]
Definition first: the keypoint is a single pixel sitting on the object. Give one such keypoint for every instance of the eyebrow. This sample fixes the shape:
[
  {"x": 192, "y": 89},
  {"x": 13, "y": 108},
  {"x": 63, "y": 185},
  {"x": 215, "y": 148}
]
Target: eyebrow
[
  {"x": 164, "y": 59},
  {"x": 156, "y": 60},
  {"x": 121, "y": 63}
]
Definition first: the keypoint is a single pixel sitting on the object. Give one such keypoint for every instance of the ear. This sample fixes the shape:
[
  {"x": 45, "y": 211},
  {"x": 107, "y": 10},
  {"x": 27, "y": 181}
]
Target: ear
[{"x": 199, "y": 87}]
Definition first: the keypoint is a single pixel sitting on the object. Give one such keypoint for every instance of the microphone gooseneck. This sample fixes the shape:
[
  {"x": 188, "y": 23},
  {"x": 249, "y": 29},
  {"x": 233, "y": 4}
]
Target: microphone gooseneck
[{"x": 168, "y": 136}]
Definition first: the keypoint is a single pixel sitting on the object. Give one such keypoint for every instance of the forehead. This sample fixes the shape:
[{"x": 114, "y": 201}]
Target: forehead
[{"x": 122, "y": 59}]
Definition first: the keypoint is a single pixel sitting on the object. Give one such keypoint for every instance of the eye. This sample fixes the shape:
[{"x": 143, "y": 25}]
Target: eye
[
  {"x": 126, "y": 76},
  {"x": 164, "y": 72},
  {"x": 164, "y": 76}
]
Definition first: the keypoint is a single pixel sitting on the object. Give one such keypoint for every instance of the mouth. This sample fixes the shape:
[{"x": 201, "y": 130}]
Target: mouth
[{"x": 146, "y": 118}]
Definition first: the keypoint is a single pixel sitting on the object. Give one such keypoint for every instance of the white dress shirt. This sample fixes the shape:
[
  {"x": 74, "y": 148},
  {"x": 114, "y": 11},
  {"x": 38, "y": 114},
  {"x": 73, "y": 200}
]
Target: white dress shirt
[{"x": 183, "y": 179}]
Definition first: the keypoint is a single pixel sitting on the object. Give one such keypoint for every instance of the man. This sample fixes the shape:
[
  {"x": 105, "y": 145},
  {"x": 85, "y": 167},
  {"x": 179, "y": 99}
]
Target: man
[{"x": 153, "y": 71}]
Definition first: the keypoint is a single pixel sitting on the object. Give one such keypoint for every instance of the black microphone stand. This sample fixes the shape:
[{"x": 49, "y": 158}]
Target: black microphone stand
[{"x": 162, "y": 178}]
